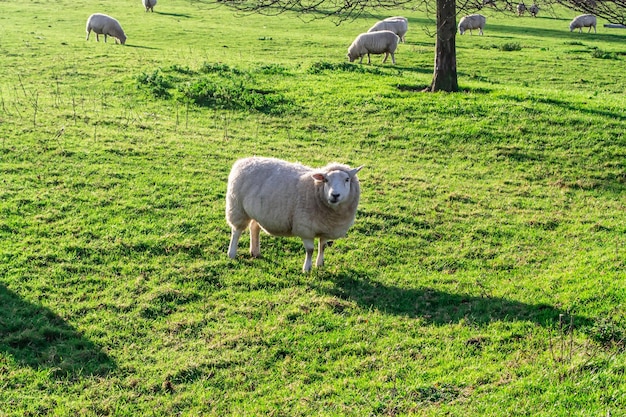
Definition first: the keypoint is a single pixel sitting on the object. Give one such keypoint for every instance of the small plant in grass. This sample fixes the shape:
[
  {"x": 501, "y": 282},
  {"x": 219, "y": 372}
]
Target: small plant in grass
[
  {"x": 322, "y": 66},
  {"x": 208, "y": 68},
  {"x": 233, "y": 94},
  {"x": 510, "y": 46},
  {"x": 156, "y": 83},
  {"x": 598, "y": 53}
]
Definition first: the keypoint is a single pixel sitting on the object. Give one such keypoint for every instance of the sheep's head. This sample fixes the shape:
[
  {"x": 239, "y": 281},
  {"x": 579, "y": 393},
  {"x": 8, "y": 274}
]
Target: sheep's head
[{"x": 337, "y": 184}]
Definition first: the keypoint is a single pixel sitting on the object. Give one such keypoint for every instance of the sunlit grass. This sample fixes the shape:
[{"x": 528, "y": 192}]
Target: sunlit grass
[{"x": 483, "y": 275}]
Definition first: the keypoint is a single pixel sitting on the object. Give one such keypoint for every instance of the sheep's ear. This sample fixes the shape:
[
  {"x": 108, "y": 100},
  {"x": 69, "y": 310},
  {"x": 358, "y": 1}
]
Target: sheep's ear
[
  {"x": 319, "y": 177},
  {"x": 353, "y": 172}
]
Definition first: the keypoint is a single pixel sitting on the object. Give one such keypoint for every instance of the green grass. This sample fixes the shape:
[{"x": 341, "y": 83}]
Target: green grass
[{"x": 484, "y": 275}]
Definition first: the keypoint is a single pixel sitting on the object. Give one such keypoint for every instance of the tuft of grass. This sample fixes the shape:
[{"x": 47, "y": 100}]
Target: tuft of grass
[
  {"x": 510, "y": 46},
  {"x": 322, "y": 66},
  {"x": 600, "y": 54}
]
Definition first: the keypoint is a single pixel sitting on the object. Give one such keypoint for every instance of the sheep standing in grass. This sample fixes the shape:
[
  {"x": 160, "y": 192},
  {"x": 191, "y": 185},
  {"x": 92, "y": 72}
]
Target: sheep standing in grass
[
  {"x": 533, "y": 10},
  {"x": 397, "y": 24},
  {"x": 521, "y": 8},
  {"x": 149, "y": 4},
  {"x": 105, "y": 25},
  {"x": 287, "y": 199},
  {"x": 583, "y": 21},
  {"x": 383, "y": 42},
  {"x": 472, "y": 21}
]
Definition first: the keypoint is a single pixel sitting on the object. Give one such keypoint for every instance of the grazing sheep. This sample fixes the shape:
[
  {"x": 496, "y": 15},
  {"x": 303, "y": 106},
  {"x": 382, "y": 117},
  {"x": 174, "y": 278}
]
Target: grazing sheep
[
  {"x": 583, "y": 21},
  {"x": 105, "y": 25},
  {"x": 472, "y": 21},
  {"x": 398, "y": 25},
  {"x": 533, "y": 10},
  {"x": 491, "y": 3},
  {"x": 149, "y": 4},
  {"x": 383, "y": 42},
  {"x": 406, "y": 24},
  {"x": 290, "y": 199},
  {"x": 521, "y": 8}
]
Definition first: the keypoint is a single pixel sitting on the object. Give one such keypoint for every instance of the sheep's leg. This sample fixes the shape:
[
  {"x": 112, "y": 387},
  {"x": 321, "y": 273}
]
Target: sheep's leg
[
  {"x": 105, "y": 38},
  {"x": 309, "y": 245},
  {"x": 320, "y": 252},
  {"x": 369, "y": 61},
  {"x": 255, "y": 242},
  {"x": 386, "y": 56},
  {"x": 97, "y": 37},
  {"x": 88, "y": 35},
  {"x": 234, "y": 240},
  {"x": 393, "y": 58},
  {"x": 480, "y": 31}
]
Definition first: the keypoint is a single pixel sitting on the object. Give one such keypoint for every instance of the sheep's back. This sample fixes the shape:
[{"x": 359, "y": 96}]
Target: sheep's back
[
  {"x": 584, "y": 20},
  {"x": 266, "y": 190},
  {"x": 473, "y": 21},
  {"x": 378, "y": 42}
]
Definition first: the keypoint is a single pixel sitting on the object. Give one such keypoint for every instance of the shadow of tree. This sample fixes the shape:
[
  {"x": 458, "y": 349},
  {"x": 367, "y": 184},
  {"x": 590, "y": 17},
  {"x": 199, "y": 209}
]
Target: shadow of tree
[
  {"x": 554, "y": 33},
  {"x": 440, "y": 307},
  {"x": 36, "y": 337}
]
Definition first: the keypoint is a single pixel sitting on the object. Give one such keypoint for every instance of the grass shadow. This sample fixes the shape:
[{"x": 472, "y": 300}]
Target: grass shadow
[
  {"x": 565, "y": 34},
  {"x": 140, "y": 46},
  {"x": 185, "y": 15},
  {"x": 37, "y": 337},
  {"x": 439, "y": 307}
]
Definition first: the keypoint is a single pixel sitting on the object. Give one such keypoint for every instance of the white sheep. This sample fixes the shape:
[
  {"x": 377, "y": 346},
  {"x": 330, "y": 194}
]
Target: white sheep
[
  {"x": 149, "y": 4},
  {"x": 533, "y": 10},
  {"x": 472, "y": 21},
  {"x": 521, "y": 8},
  {"x": 290, "y": 199},
  {"x": 383, "y": 42},
  {"x": 398, "y": 25},
  {"x": 583, "y": 21},
  {"x": 105, "y": 25}
]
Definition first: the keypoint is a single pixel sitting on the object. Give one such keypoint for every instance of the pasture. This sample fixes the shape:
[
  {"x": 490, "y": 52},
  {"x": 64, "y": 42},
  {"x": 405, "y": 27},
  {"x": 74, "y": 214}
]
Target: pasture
[{"x": 484, "y": 274}]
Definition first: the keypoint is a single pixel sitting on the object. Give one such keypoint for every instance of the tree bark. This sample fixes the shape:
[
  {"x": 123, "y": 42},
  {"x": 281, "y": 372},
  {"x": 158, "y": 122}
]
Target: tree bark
[{"x": 445, "y": 77}]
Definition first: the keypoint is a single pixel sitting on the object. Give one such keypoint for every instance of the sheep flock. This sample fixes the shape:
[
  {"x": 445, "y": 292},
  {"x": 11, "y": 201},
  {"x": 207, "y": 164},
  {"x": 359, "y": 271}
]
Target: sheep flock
[{"x": 290, "y": 199}]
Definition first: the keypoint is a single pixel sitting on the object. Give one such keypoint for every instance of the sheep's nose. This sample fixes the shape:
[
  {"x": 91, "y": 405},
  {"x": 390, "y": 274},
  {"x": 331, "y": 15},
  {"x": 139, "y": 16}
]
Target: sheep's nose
[{"x": 335, "y": 195}]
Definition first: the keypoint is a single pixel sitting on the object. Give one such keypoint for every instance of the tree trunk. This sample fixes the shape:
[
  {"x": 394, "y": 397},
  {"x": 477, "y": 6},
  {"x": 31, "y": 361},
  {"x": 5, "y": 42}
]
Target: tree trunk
[{"x": 444, "y": 77}]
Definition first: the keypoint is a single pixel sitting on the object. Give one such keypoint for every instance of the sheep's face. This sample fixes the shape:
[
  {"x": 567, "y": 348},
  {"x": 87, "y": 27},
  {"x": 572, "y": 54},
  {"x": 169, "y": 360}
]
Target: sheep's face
[
  {"x": 351, "y": 57},
  {"x": 337, "y": 185}
]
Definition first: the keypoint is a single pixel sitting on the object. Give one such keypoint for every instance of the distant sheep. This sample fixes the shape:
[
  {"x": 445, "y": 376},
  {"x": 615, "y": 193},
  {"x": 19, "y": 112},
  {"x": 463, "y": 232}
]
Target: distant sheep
[
  {"x": 149, "y": 4},
  {"x": 472, "y": 21},
  {"x": 521, "y": 8},
  {"x": 383, "y": 42},
  {"x": 400, "y": 26},
  {"x": 583, "y": 21},
  {"x": 533, "y": 10},
  {"x": 105, "y": 25},
  {"x": 290, "y": 199}
]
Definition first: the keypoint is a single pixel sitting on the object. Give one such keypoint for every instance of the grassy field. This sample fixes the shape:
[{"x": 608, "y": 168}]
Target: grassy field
[{"x": 484, "y": 275}]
